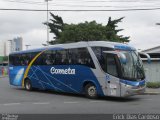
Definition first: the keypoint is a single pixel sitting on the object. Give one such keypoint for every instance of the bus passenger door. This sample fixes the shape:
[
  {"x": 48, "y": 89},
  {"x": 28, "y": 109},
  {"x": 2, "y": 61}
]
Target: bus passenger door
[{"x": 112, "y": 73}]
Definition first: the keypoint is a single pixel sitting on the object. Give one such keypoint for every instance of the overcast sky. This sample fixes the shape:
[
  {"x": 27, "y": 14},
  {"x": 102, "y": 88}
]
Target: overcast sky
[{"x": 139, "y": 25}]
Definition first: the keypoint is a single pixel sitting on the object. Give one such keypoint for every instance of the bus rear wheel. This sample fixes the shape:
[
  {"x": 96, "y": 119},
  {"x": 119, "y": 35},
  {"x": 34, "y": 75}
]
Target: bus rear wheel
[
  {"x": 91, "y": 91},
  {"x": 28, "y": 85}
]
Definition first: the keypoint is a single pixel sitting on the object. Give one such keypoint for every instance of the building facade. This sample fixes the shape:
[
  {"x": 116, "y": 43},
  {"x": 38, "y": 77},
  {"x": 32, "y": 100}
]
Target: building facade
[
  {"x": 17, "y": 44},
  {"x": 8, "y": 46},
  {"x": 152, "y": 69},
  {"x": 2, "y": 47},
  {"x": 152, "y": 50}
]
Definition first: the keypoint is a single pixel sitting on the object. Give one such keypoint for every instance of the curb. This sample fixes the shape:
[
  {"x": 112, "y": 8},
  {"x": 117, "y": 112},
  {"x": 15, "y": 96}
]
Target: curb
[
  {"x": 3, "y": 76},
  {"x": 151, "y": 93}
]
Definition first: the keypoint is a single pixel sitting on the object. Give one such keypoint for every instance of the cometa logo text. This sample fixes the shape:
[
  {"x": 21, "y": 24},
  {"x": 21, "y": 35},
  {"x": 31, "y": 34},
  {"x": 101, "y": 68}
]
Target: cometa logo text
[{"x": 62, "y": 71}]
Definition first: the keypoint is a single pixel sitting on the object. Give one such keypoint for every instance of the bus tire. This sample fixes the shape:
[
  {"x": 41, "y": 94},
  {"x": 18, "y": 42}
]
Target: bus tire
[
  {"x": 28, "y": 85},
  {"x": 91, "y": 91}
]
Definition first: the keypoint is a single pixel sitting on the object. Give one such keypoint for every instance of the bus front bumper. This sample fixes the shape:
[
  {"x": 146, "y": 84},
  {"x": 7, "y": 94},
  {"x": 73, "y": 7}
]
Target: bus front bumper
[
  {"x": 128, "y": 90},
  {"x": 131, "y": 92}
]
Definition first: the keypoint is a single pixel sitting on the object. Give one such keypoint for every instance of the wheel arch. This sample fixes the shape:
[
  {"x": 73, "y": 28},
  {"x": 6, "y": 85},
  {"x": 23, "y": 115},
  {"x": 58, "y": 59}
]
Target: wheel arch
[
  {"x": 96, "y": 84},
  {"x": 27, "y": 78},
  {"x": 86, "y": 82}
]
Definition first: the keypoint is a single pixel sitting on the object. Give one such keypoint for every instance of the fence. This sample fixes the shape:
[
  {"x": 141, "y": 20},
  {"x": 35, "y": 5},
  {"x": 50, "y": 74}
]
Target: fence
[{"x": 152, "y": 70}]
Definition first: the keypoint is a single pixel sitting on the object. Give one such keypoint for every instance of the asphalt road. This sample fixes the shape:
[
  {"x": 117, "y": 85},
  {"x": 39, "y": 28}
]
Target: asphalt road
[{"x": 18, "y": 101}]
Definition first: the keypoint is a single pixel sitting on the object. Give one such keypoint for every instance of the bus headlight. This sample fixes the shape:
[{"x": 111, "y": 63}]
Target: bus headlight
[{"x": 128, "y": 86}]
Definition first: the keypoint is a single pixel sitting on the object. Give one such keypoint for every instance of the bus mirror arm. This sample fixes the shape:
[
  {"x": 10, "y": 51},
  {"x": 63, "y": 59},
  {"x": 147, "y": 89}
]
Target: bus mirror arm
[{"x": 147, "y": 55}]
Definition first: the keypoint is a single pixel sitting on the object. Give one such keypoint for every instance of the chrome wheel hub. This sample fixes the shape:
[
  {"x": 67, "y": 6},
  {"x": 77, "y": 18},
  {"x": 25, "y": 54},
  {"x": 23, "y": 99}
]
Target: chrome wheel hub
[{"x": 92, "y": 91}]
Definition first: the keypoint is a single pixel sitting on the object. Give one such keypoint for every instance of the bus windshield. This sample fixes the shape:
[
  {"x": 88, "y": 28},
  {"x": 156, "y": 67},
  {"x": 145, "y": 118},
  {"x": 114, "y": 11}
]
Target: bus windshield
[{"x": 133, "y": 69}]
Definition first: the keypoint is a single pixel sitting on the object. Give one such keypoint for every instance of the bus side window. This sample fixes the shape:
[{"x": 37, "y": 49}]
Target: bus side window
[
  {"x": 80, "y": 56},
  {"x": 27, "y": 59},
  {"x": 47, "y": 57},
  {"x": 11, "y": 59},
  {"x": 58, "y": 58},
  {"x": 53, "y": 57},
  {"x": 111, "y": 66},
  {"x": 98, "y": 52},
  {"x": 17, "y": 60},
  {"x": 23, "y": 59},
  {"x": 73, "y": 56},
  {"x": 85, "y": 57},
  {"x": 64, "y": 60},
  {"x": 70, "y": 61},
  {"x": 31, "y": 57}
]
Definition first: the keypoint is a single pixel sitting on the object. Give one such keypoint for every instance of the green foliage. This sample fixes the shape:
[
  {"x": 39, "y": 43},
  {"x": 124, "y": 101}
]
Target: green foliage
[
  {"x": 1, "y": 59},
  {"x": 56, "y": 25},
  {"x": 153, "y": 84},
  {"x": 87, "y": 31},
  {"x": 111, "y": 31},
  {"x": 5, "y": 58}
]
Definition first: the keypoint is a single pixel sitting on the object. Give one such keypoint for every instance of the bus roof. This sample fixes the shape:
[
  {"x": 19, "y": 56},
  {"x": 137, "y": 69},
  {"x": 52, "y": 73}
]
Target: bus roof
[{"x": 114, "y": 45}]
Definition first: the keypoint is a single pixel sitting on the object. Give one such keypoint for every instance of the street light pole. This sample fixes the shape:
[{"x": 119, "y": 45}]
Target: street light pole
[
  {"x": 44, "y": 44},
  {"x": 27, "y": 46},
  {"x": 47, "y": 22},
  {"x": 157, "y": 23}
]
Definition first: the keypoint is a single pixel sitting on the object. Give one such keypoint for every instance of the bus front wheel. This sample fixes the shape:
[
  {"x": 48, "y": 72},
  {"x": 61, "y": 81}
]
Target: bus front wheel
[
  {"x": 28, "y": 85},
  {"x": 91, "y": 91}
]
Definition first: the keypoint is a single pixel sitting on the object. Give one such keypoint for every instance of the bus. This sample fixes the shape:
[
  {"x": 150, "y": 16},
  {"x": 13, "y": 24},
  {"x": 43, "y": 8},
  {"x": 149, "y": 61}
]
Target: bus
[{"x": 93, "y": 68}]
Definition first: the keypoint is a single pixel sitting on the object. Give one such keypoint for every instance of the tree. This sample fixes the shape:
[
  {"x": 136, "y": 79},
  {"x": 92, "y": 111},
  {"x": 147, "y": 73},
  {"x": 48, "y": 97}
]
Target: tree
[
  {"x": 112, "y": 32},
  {"x": 5, "y": 58},
  {"x": 56, "y": 26},
  {"x": 87, "y": 31}
]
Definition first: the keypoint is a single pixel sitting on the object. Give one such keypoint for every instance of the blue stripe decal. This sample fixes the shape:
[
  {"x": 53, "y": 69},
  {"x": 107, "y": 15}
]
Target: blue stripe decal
[
  {"x": 133, "y": 83},
  {"x": 42, "y": 78},
  {"x": 124, "y": 47}
]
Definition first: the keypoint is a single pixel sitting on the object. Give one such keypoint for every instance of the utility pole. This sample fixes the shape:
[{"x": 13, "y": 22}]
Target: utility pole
[{"x": 47, "y": 22}]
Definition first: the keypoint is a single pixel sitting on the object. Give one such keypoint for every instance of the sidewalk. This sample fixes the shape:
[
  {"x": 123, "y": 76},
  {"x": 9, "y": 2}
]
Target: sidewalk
[
  {"x": 3, "y": 76},
  {"x": 152, "y": 91}
]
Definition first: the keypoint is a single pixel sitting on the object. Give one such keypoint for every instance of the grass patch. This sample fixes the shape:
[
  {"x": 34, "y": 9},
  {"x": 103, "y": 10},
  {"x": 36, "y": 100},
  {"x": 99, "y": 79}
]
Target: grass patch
[{"x": 153, "y": 84}]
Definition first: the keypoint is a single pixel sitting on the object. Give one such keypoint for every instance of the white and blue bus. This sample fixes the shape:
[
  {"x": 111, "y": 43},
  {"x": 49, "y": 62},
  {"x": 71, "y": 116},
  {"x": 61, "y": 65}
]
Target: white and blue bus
[{"x": 95, "y": 68}]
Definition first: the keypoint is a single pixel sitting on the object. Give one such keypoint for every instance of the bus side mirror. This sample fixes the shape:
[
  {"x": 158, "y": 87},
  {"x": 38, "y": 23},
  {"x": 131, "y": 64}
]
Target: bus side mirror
[
  {"x": 122, "y": 58},
  {"x": 147, "y": 55}
]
